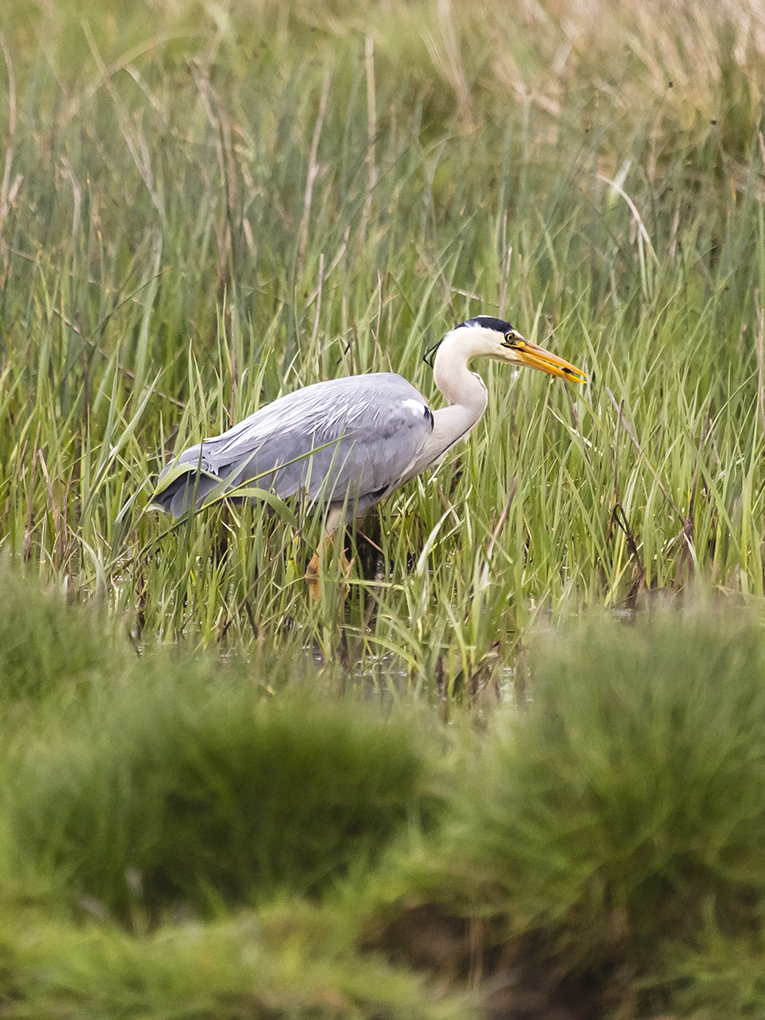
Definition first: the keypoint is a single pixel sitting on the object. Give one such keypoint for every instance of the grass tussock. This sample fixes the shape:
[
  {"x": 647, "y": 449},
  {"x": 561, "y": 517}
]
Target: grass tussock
[
  {"x": 271, "y": 966},
  {"x": 641, "y": 770},
  {"x": 608, "y": 842},
  {"x": 185, "y": 788}
]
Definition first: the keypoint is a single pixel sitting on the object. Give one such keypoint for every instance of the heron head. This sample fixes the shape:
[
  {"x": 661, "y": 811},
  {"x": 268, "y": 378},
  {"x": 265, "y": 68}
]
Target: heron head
[{"x": 488, "y": 337}]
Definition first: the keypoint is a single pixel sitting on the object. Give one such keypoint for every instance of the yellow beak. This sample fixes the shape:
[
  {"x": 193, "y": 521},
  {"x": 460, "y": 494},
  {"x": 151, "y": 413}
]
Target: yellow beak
[{"x": 537, "y": 357}]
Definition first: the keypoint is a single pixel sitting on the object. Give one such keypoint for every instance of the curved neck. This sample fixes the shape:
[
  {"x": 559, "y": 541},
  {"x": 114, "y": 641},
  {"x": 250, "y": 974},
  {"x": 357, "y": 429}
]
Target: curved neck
[
  {"x": 467, "y": 397},
  {"x": 459, "y": 385}
]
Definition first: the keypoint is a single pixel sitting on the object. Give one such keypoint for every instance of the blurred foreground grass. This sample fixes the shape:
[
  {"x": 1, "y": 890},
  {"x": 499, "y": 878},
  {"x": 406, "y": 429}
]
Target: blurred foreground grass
[{"x": 185, "y": 838}]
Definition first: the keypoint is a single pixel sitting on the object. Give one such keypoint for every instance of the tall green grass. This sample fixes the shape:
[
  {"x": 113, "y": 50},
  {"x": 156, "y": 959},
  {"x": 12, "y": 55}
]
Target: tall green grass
[
  {"x": 207, "y": 209},
  {"x": 205, "y": 206}
]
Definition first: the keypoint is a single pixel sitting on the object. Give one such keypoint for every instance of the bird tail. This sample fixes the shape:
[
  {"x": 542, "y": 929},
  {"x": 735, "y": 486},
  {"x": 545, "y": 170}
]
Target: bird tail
[{"x": 181, "y": 487}]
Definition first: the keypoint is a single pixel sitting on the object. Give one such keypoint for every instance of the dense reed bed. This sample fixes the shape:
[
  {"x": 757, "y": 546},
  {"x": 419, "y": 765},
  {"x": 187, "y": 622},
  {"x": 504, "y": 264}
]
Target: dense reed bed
[{"x": 204, "y": 208}]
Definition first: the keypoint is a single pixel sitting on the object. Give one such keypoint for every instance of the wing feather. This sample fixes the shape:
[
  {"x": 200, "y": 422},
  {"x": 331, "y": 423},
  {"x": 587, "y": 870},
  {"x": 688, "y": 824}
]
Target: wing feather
[{"x": 354, "y": 438}]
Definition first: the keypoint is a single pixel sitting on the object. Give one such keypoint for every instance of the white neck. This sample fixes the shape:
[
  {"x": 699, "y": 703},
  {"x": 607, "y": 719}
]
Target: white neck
[{"x": 467, "y": 398}]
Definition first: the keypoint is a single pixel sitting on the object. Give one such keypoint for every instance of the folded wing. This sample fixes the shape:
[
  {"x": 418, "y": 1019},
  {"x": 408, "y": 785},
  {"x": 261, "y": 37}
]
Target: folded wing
[{"x": 353, "y": 439}]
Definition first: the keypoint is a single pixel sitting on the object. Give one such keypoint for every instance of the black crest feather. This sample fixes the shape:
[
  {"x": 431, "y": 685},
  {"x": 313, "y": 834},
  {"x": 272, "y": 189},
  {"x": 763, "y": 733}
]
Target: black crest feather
[
  {"x": 487, "y": 321},
  {"x": 430, "y": 355}
]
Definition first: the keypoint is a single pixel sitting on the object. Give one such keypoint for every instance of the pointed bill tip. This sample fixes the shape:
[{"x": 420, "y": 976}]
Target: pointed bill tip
[{"x": 537, "y": 357}]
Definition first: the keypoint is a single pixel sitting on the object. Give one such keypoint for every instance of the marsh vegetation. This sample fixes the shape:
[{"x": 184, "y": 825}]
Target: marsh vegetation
[{"x": 514, "y": 762}]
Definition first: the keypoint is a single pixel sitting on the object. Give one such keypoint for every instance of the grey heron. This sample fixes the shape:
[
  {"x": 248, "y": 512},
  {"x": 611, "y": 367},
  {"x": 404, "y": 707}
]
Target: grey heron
[{"x": 345, "y": 444}]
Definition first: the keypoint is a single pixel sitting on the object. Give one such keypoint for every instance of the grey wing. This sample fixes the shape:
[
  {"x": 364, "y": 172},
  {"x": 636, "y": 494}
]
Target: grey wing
[{"x": 353, "y": 439}]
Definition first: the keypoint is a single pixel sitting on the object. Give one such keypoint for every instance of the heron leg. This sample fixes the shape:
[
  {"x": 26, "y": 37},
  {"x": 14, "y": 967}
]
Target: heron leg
[{"x": 313, "y": 570}]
